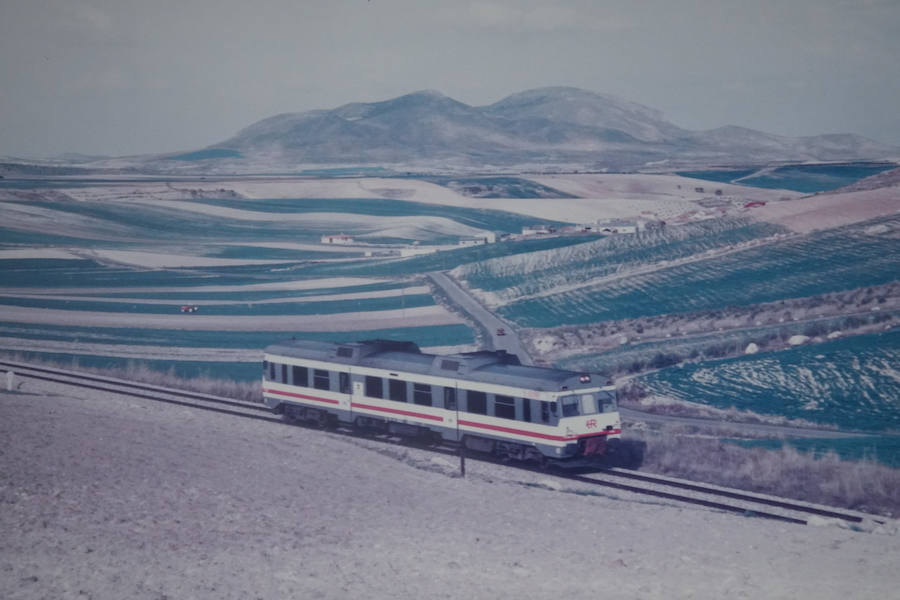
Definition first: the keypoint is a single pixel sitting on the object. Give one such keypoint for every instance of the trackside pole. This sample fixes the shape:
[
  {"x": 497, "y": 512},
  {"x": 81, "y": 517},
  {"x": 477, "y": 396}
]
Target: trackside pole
[
  {"x": 10, "y": 380},
  {"x": 462, "y": 460}
]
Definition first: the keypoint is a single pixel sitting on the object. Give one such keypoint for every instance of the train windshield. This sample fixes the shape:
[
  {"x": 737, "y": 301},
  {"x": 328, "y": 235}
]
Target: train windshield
[
  {"x": 569, "y": 406},
  {"x": 607, "y": 401},
  {"x": 588, "y": 404}
]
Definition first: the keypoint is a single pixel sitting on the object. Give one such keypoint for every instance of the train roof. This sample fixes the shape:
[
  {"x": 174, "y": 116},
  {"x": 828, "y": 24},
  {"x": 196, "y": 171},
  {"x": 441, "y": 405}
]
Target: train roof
[{"x": 496, "y": 367}]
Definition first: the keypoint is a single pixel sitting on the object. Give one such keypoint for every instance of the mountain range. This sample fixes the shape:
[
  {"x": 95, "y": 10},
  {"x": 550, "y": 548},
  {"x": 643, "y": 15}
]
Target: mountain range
[{"x": 558, "y": 126}]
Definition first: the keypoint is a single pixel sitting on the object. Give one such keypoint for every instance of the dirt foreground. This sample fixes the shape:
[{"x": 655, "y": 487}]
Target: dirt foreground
[{"x": 108, "y": 497}]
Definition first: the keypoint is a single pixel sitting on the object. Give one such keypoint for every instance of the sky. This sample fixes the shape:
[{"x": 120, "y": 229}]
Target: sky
[{"x": 125, "y": 77}]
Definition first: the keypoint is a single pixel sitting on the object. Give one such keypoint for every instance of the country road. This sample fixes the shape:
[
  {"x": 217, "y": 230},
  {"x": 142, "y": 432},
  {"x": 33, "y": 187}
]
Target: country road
[
  {"x": 487, "y": 320},
  {"x": 745, "y": 428}
]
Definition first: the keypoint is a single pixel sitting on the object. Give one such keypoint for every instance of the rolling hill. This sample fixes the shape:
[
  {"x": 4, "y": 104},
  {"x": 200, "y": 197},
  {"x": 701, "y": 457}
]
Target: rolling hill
[{"x": 557, "y": 126}]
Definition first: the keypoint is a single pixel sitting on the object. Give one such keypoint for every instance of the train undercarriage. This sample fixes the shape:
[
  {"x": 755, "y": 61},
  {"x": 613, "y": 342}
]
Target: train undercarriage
[{"x": 587, "y": 448}]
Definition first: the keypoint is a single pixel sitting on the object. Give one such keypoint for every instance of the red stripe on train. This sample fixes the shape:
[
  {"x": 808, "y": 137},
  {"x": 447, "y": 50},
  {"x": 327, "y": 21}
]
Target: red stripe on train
[
  {"x": 408, "y": 413},
  {"x": 398, "y": 411},
  {"x": 303, "y": 396},
  {"x": 395, "y": 411},
  {"x": 544, "y": 436}
]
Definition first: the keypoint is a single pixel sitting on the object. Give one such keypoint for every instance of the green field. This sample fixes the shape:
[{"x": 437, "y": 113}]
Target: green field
[
  {"x": 794, "y": 267},
  {"x": 575, "y": 280}
]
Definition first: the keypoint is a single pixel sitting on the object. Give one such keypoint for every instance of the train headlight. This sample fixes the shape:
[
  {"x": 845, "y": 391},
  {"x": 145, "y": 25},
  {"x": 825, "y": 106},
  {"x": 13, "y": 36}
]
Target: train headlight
[{"x": 585, "y": 378}]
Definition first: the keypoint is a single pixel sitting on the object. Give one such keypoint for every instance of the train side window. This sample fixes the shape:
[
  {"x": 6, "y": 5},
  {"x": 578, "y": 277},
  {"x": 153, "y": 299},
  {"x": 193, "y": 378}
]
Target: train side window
[
  {"x": 284, "y": 378},
  {"x": 569, "y": 406},
  {"x": 526, "y": 410},
  {"x": 321, "y": 379},
  {"x": 504, "y": 407},
  {"x": 300, "y": 375},
  {"x": 450, "y": 398},
  {"x": 269, "y": 369},
  {"x": 476, "y": 402},
  {"x": 374, "y": 387},
  {"x": 344, "y": 379},
  {"x": 545, "y": 411},
  {"x": 397, "y": 390},
  {"x": 422, "y": 394}
]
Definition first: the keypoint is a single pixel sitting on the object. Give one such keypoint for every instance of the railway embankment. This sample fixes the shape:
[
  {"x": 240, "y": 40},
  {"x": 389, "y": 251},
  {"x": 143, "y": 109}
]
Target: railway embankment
[
  {"x": 695, "y": 448},
  {"x": 110, "y": 496}
]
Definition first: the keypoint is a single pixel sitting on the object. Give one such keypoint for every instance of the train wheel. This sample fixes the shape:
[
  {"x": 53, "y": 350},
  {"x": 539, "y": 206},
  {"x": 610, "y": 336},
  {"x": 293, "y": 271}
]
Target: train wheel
[
  {"x": 427, "y": 438},
  {"x": 479, "y": 444},
  {"x": 367, "y": 426},
  {"x": 435, "y": 438},
  {"x": 320, "y": 419}
]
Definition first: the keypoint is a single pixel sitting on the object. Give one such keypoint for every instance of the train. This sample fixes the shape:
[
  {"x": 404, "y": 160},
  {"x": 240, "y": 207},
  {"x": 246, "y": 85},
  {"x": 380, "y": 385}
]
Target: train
[{"x": 486, "y": 401}]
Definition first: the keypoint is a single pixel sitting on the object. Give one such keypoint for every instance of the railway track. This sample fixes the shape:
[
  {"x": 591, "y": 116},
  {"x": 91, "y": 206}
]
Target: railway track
[
  {"x": 706, "y": 495},
  {"x": 141, "y": 390},
  {"x": 726, "y": 499}
]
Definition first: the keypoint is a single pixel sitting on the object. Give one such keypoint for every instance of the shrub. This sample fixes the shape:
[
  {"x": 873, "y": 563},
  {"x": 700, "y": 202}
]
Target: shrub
[
  {"x": 860, "y": 485},
  {"x": 814, "y": 329},
  {"x": 662, "y": 360}
]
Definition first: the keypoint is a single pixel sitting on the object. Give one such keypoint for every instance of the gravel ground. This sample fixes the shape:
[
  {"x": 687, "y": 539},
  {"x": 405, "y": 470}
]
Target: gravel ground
[{"x": 103, "y": 496}]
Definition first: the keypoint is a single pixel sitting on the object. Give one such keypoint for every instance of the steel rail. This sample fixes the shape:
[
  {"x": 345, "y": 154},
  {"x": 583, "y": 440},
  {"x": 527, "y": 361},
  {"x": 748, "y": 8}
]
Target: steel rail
[
  {"x": 688, "y": 499},
  {"x": 737, "y": 495},
  {"x": 144, "y": 391}
]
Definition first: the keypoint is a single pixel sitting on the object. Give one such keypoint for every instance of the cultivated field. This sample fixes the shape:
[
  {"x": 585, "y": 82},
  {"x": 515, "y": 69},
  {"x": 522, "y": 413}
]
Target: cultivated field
[{"x": 727, "y": 295}]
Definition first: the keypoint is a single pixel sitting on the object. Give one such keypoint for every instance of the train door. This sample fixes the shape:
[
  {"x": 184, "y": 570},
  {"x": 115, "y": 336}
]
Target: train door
[
  {"x": 345, "y": 400},
  {"x": 451, "y": 404},
  {"x": 356, "y": 395}
]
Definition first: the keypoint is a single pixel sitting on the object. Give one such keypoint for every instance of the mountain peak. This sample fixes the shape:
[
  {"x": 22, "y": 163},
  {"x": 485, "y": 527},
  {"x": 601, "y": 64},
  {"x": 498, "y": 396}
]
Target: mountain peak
[
  {"x": 426, "y": 94},
  {"x": 559, "y": 92},
  {"x": 588, "y": 109}
]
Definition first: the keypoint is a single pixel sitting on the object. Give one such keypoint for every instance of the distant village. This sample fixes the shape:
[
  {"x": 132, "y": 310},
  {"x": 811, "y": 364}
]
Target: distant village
[{"x": 603, "y": 227}]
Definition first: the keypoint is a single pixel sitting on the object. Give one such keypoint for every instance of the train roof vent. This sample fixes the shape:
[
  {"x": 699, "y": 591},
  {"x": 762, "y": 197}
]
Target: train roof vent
[
  {"x": 369, "y": 347},
  {"x": 483, "y": 358},
  {"x": 450, "y": 365},
  {"x": 345, "y": 352}
]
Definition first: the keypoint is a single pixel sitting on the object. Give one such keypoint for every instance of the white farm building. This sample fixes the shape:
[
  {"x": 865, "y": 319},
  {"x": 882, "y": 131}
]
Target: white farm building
[
  {"x": 339, "y": 238},
  {"x": 486, "y": 237}
]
